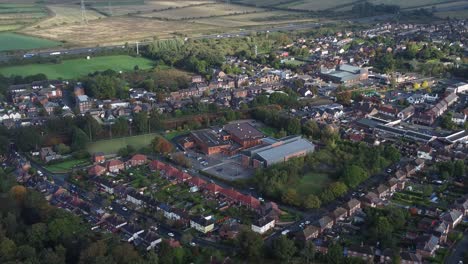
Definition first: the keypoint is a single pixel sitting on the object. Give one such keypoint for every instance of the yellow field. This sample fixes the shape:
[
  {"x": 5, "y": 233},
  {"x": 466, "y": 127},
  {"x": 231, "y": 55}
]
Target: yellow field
[
  {"x": 15, "y": 15},
  {"x": 316, "y": 5},
  {"x": 120, "y": 10},
  {"x": 407, "y": 3},
  {"x": 119, "y": 30},
  {"x": 66, "y": 14},
  {"x": 207, "y": 10},
  {"x": 255, "y": 19}
]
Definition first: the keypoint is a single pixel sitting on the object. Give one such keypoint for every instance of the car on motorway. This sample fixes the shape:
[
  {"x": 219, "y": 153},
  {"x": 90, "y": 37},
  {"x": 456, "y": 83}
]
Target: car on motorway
[{"x": 170, "y": 234}]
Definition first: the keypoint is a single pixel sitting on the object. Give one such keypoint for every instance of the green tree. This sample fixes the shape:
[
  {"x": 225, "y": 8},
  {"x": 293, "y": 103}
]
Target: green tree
[
  {"x": 353, "y": 175},
  {"x": 335, "y": 254},
  {"x": 312, "y": 201},
  {"x": 250, "y": 245},
  {"x": 79, "y": 139},
  {"x": 140, "y": 121},
  {"x": 7, "y": 249},
  {"x": 308, "y": 252},
  {"x": 283, "y": 249},
  {"x": 291, "y": 197}
]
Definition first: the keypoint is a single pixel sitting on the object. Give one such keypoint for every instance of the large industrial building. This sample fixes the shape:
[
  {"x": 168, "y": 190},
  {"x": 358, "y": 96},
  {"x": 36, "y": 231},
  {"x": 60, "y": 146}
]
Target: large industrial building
[
  {"x": 275, "y": 151},
  {"x": 344, "y": 74},
  {"x": 244, "y": 134}
]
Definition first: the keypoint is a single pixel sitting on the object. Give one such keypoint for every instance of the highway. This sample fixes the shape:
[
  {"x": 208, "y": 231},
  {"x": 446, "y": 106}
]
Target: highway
[{"x": 91, "y": 50}]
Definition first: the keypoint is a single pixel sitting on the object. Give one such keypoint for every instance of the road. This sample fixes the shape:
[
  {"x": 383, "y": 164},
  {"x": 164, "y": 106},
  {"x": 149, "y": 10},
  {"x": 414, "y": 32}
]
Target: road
[
  {"x": 91, "y": 50},
  {"x": 459, "y": 251}
]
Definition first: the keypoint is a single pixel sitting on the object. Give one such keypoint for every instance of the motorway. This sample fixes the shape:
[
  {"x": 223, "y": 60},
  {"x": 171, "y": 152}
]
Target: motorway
[{"x": 92, "y": 50}]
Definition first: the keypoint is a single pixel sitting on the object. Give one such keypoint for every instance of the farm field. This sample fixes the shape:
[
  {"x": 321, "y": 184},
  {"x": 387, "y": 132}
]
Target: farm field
[
  {"x": 70, "y": 69},
  {"x": 12, "y": 41},
  {"x": 254, "y": 19},
  {"x": 462, "y": 14},
  {"x": 312, "y": 183},
  {"x": 208, "y": 10},
  {"x": 406, "y": 3},
  {"x": 315, "y": 5},
  {"x": 119, "y": 30},
  {"x": 124, "y": 9},
  {"x": 112, "y": 146},
  {"x": 66, "y": 14},
  {"x": 18, "y": 15}
]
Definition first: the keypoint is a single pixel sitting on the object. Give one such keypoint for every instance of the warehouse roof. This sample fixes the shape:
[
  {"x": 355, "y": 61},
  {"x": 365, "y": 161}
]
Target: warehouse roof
[{"x": 284, "y": 148}]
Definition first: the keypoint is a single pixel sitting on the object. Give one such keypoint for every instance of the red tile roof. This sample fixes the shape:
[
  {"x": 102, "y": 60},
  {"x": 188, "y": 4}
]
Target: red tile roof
[
  {"x": 96, "y": 170},
  {"x": 156, "y": 165},
  {"x": 213, "y": 188},
  {"x": 139, "y": 157},
  {"x": 196, "y": 181}
]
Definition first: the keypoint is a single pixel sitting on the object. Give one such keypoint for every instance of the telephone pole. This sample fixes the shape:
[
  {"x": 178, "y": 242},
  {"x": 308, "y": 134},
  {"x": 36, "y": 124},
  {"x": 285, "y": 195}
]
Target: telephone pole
[
  {"x": 138, "y": 48},
  {"x": 84, "y": 19}
]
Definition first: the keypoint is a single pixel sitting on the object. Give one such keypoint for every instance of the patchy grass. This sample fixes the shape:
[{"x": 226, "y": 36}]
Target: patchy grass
[
  {"x": 12, "y": 41},
  {"x": 173, "y": 134},
  {"x": 66, "y": 166},
  {"x": 70, "y": 69},
  {"x": 312, "y": 183},
  {"x": 269, "y": 131},
  {"x": 112, "y": 146}
]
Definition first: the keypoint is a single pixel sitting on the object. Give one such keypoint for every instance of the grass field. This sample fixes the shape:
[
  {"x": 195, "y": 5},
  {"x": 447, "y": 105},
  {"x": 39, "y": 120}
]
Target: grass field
[
  {"x": 408, "y": 4},
  {"x": 315, "y": 5},
  {"x": 66, "y": 166},
  {"x": 208, "y": 10},
  {"x": 12, "y": 41},
  {"x": 66, "y": 14},
  {"x": 253, "y": 19},
  {"x": 312, "y": 183},
  {"x": 17, "y": 15},
  {"x": 112, "y": 146},
  {"x": 70, "y": 69},
  {"x": 135, "y": 8}
]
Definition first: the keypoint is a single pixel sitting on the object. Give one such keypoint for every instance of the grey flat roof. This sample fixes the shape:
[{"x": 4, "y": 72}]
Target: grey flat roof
[{"x": 273, "y": 154}]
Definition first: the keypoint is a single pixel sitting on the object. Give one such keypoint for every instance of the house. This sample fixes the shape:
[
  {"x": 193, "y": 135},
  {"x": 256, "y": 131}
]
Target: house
[
  {"x": 410, "y": 258},
  {"x": 459, "y": 118},
  {"x": 461, "y": 204},
  {"x": 325, "y": 223},
  {"x": 202, "y": 224},
  {"x": 84, "y": 103},
  {"x": 393, "y": 185},
  {"x": 104, "y": 185},
  {"x": 47, "y": 154},
  {"x": 370, "y": 199},
  {"x": 425, "y": 152},
  {"x": 115, "y": 166},
  {"x": 416, "y": 99},
  {"x": 137, "y": 160},
  {"x": 361, "y": 251},
  {"x": 156, "y": 165},
  {"x": 307, "y": 233},
  {"x": 132, "y": 231},
  {"x": 150, "y": 239},
  {"x": 263, "y": 224},
  {"x": 99, "y": 157},
  {"x": 96, "y": 170},
  {"x": 406, "y": 113},
  {"x": 230, "y": 230},
  {"x": 452, "y": 218},
  {"x": 115, "y": 223},
  {"x": 135, "y": 198},
  {"x": 352, "y": 206},
  {"x": 427, "y": 245},
  {"x": 339, "y": 214},
  {"x": 382, "y": 190}
]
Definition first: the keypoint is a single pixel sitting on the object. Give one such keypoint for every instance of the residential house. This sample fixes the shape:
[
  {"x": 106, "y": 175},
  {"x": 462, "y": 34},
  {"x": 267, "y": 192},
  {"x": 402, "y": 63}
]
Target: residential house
[
  {"x": 115, "y": 166},
  {"x": 406, "y": 113},
  {"x": 352, "y": 206},
  {"x": 47, "y": 154},
  {"x": 132, "y": 232},
  {"x": 370, "y": 199},
  {"x": 230, "y": 230},
  {"x": 425, "y": 152},
  {"x": 99, "y": 157},
  {"x": 96, "y": 170},
  {"x": 263, "y": 224},
  {"x": 104, "y": 185},
  {"x": 361, "y": 251},
  {"x": 135, "y": 198},
  {"x": 325, "y": 223},
  {"x": 452, "y": 218},
  {"x": 310, "y": 232},
  {"x": 339, "y": 214},
  {"x": 459, "y": 118},
  {"x": 137, "y": 160},
  {"x": 202, "y": 224},
  {"x": 427, "y": 245},
  {"x": 150, "y": 239},
  {"x": 115, "y": 223},
  {"x": 410, "y": 258},
  {"x": 382, "y": 191},
  {"x": 84, "y": 103}
]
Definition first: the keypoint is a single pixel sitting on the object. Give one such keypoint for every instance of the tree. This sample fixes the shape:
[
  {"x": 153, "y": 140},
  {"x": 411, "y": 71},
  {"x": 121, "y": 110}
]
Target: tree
[
  {"x": 161, "y": 145},
  {"x": 416, "y": 85},
  {"x": 250, "y": 244},
  {"x": 311, "y": 129},
  {"x": 294, "y": 126},
  {"x": 7, "y": 249},
  {"x": 283, "y": 248},
  {"x": 459, "y": 169},
  {"x": 18, "y": 192},
  {"x": 312, "y": 201},
  {"x": 79, "y": 139},
  {"x": 353, "y": 175},
  {"x": 335, "y": 254},
  {"x": 338, "y": 189},
  {"x": 308, "y": 252},
  {"x": 291, "y": 197},
  {"x": 141, "y": 122},
  {"x": 120, "y": 127}
]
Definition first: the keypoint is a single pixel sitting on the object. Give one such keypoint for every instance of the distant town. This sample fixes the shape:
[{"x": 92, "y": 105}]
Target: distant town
[{"x": 348, "y": 146}]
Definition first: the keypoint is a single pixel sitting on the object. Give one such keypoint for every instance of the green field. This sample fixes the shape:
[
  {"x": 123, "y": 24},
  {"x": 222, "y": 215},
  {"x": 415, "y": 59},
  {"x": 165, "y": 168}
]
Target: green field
[
  {"x": 112, "y": 146},
  {"x": 66, "y": 166},
  {"x": 74, "y": 68},
  {"x": 12, "y": 41},
  {"x": 312, "y": 183}
]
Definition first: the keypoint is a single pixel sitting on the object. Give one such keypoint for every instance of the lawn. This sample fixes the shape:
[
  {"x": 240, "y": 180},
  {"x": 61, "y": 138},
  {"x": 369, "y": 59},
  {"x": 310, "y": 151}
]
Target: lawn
[
  {"x": 112, "y": 146},
  {"x": 312, "y": 183},
  {"x": 12, "y": 41},
  {"x": 175, "y": 133},
  {"x": 269, "y": 131},
  {"x": 66, "y": 166},
  {"x": 74, "y": 68}
]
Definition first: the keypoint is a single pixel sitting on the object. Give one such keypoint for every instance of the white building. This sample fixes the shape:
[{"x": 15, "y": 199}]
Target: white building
[{"x": 263, "y": 224}]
